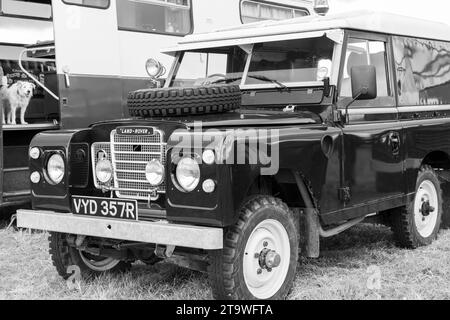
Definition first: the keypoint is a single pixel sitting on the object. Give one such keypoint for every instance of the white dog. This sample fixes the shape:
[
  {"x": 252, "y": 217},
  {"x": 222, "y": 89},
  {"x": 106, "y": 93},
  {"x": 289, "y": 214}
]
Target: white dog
[{"x": 17, "y": 96}]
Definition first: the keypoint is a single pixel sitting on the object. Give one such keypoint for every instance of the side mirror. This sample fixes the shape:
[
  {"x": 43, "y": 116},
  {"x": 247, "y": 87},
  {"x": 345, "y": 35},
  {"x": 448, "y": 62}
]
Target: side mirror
[{"x": 364, "y": 82}]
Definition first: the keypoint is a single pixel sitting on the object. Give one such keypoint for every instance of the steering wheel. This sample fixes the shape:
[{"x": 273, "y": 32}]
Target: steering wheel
[{"x": 220, "y": 75}]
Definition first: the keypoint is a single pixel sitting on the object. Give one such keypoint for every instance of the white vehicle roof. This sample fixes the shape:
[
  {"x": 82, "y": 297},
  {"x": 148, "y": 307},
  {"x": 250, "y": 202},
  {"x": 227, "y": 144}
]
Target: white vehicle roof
[{"x": 371, "y": 21}]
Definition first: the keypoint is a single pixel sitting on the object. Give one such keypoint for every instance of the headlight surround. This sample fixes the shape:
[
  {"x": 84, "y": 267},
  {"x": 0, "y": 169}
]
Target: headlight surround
[
  {"x": 154, "y": 68},
  {"x": 154, "y": 172},
  {"x": 104, "y": 171},
  {"x": 188, "y": 174},
  {"x": 55, "y": 169}
]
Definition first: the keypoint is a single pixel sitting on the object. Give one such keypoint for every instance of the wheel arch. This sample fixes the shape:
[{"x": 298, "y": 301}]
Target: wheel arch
[
  {"x": 437, "y": 160},
  {"x": 284, "y": 186}
]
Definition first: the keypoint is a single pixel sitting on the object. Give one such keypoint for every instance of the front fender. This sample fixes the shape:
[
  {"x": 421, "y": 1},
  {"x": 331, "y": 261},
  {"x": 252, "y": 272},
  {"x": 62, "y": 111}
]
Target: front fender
[{"x": 68, "y": 143}]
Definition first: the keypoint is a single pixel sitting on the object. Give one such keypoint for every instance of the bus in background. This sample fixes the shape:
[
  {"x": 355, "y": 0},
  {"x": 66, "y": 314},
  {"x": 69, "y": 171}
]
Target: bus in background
[{"x": 86, "y": 55}]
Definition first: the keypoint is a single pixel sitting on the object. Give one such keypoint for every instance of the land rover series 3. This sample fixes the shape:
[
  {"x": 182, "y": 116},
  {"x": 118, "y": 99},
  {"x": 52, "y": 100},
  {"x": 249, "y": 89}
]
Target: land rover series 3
[{"x": 264, "y": 139}]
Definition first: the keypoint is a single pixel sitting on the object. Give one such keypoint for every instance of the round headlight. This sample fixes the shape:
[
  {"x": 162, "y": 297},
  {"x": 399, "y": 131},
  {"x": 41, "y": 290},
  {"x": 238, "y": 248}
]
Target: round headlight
[
  {"x": 35, "y": 153},
  {"x": 154, "y": 68},
  {"x": 55, "y": 169},
  {"x": 188, "y": 174},
  {"x": 35, "y": 177},
  {"x": 209, "y": 157},
  {"x": 209, "y": 186},
  {"x": 154, "y": 172},
  {"x": 104, "y": 171}
]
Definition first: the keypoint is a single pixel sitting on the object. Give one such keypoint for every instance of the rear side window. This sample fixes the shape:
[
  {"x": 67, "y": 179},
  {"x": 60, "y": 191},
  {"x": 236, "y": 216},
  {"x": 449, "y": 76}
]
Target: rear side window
[
  {"x": 423, "y": 71},
  {"x": 171, "y": 17},
  {"x": 101, "y": 4}
]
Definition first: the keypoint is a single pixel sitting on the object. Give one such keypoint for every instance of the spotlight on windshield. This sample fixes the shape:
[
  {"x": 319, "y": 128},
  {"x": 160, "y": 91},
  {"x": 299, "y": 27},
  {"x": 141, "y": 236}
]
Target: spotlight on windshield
[{"x": 321, "y": 7}]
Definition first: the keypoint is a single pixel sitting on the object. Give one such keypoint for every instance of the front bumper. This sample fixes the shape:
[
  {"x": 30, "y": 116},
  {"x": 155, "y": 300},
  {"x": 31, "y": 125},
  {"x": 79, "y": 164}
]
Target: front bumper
[{"x": 162, "y": 233}]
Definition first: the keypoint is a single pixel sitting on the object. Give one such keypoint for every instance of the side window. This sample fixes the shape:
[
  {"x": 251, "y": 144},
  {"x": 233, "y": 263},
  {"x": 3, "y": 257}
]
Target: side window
[
  {"x": 101, "y": 4},
  {"x": 252, "y": 11},
  {"x": 155, "y": 16},
  {"x": 362, "y": 53},
  {"x": 35, "y": 9},
  {"x": 423, "y": 71}
]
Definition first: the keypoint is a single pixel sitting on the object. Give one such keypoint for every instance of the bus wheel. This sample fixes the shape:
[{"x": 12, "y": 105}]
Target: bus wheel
[
  {"x": 65, "y": 256},
  {"x": 259, "y": 258},
  {"x": 419, "y": 222}
]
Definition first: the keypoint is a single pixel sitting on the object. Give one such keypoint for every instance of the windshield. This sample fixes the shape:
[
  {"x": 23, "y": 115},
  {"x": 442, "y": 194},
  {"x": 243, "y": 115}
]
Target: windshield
[
  {"x": 291, "y": 61},
  {"x": 202, "y": 67},
  {"x": 300, "y": 62}
]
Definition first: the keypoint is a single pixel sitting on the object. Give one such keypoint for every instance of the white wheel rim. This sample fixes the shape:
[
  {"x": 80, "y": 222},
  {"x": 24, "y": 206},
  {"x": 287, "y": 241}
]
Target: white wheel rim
[
  {"x": 268, "y": 235},
  {"x": 100, "y": 265},
  {"x": 426, "y": 224}
]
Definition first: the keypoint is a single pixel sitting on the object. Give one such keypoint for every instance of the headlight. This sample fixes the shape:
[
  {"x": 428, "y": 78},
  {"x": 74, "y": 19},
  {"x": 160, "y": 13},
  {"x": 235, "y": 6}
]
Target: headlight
[
  {"x": 188, "y": 174},
  {"x": 104, "y": 171},
  {"x": 154, "y": 68},
  {"x": 154, "y": 172},
  {"x": 55, "y": 169},
  {"x": 209, "y": 157},
  {"x": 35, "y": 153}
]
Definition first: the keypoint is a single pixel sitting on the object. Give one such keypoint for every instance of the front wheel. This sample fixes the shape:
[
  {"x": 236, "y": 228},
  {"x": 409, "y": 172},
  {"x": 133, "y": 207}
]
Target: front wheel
[
  {"x": 65, "y": 256},
  {"x": 259, "y": 258},
  {"x": 418, "y": 223}
]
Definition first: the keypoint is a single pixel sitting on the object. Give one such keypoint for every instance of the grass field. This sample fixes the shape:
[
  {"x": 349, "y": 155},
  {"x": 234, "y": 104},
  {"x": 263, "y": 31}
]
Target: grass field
[{"x": 342, "y": 272}]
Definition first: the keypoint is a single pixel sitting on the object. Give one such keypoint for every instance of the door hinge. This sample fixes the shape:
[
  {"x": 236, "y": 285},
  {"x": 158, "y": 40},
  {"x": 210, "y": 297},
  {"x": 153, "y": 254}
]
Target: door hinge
[{"x": 344, "y": 194}]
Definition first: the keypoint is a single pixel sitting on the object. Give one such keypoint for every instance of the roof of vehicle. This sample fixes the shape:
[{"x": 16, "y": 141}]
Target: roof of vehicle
[{"x": 372, "y": 21}]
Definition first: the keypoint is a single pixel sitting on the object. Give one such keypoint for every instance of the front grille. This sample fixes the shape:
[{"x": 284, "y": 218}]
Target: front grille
[{"x": 130, "y": 155}]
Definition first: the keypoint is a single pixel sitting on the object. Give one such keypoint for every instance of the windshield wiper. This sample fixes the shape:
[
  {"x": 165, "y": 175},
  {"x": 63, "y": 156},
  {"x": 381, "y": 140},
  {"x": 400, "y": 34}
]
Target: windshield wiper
[
  {"x": 261, "y": 78},
  {"x": 266, "y": 79}
]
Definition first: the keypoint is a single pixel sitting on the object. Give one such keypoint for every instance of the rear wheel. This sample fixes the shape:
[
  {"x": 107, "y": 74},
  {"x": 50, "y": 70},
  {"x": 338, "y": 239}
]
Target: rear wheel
[
  {"x": 419, "y": 222},
  {"x": 65, "y": 256},
  {"x": 260, "y": 253}
]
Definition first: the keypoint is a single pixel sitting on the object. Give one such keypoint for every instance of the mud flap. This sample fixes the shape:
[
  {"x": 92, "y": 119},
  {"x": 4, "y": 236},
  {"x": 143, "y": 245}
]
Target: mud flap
[
  {"x": 444, "y": 178},
  {"x": 311, "y": 233}
]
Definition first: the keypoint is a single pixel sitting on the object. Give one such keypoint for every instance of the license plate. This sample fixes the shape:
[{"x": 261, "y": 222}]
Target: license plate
[{"x": 105, "y": 208}]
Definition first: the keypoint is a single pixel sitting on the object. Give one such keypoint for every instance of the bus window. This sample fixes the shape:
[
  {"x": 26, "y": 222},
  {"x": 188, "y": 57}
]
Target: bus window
[
  {"x": 41, "y": 9},
  {"x": 101, "y": 4},
  {"x": 155, "y": 16},
  {"x": 252, "y": 11}
]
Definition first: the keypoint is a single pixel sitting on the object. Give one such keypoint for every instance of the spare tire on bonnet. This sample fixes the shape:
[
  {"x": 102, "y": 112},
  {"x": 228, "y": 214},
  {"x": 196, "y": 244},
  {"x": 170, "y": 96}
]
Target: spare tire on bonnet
[{"x": 181, "y": 101}]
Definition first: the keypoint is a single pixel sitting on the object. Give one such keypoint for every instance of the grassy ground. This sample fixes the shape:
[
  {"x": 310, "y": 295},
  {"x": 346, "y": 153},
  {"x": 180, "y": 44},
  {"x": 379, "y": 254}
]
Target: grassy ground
[{"x": 342, "y": 272}]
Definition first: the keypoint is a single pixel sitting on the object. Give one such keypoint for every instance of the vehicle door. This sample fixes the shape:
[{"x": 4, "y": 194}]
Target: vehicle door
[
  {"x": 87, "y": 60},
  {"x": 373, "y": 178}
]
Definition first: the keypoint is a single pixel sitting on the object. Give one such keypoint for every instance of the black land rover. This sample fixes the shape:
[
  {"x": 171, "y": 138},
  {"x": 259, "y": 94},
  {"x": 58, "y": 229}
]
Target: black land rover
[{"x": 264, "y": 139}]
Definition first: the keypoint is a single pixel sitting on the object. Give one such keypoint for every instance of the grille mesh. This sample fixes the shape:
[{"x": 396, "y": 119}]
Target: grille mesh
[{"x": 130, "y": 155}]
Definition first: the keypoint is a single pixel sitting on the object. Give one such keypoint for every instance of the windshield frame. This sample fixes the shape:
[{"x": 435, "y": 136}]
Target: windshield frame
[{"x": 248, "y": 48}]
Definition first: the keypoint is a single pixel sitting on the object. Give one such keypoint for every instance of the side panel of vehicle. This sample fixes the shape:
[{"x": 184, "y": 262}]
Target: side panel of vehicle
[
  {"x": 311, "y": 151},
  {"x": 423, "y": 88}
]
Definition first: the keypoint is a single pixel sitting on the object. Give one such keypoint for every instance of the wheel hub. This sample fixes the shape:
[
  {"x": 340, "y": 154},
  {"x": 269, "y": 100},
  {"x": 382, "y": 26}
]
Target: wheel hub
[
  {"x": 269, "y": 259},
  {"x": 426, "y": 208}
]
